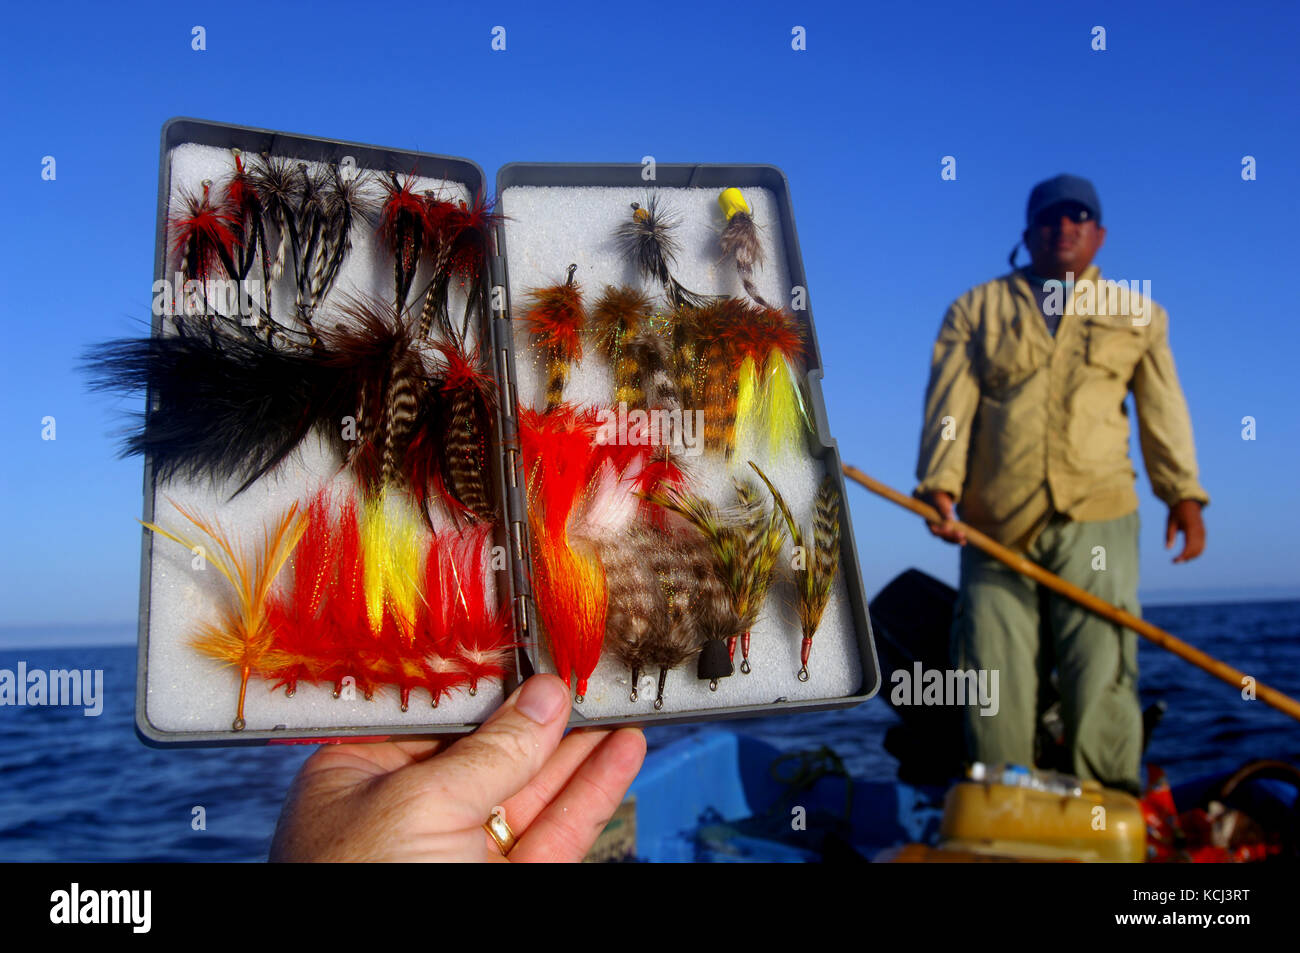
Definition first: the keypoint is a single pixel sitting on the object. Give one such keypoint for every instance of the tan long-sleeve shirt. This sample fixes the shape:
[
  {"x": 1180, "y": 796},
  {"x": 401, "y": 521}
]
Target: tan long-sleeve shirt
[{"x": 1020, "y": 424}]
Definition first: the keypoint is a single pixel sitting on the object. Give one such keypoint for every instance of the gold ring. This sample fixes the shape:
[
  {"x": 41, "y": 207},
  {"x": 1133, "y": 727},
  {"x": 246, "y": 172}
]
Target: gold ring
[{"x": 500, "y": 832}]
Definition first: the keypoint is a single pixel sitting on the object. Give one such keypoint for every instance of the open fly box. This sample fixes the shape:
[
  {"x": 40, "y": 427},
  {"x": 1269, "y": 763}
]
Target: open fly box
[{"x": 367, "y": 511}]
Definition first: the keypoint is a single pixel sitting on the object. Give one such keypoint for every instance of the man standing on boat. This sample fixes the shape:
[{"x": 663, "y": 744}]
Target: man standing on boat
[{"x": 1026, "y": 433}]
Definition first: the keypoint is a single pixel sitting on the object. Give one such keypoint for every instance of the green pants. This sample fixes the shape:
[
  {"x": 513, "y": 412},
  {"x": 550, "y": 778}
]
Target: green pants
[{"x": 997, "y": 627}]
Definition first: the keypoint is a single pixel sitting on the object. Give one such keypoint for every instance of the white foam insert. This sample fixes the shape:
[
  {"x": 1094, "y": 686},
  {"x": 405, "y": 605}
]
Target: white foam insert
[
  {"x": 188, "y": 691},
  {"x": 546, "y": 229}
]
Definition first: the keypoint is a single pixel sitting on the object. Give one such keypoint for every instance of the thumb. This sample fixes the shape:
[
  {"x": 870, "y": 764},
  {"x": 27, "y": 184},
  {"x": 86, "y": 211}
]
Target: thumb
[
  {"x": 482, "y": 770},
  {"x": 1171, "y": 530}
]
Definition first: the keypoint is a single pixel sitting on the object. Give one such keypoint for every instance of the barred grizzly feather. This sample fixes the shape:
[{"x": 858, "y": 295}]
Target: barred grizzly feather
[
  {"x": 813, "y": 580},
  {"x": 634, "y": 604},
  {"x": 688, "y": 587},
  {"x": 717, "y": 328},
  {"x": 710, "y": 603},
  {"x": 826, "y": 546},
  {"x": 718, "y": 566},
  {"x": 654, "y": 581},
  {"x": 346, "y": 200},
  {"x": 653, "y": 385},
  {"x": 380, "y": 366},
  {"x": 761, "y": 536},
  {"x": 470, "y": 396}
]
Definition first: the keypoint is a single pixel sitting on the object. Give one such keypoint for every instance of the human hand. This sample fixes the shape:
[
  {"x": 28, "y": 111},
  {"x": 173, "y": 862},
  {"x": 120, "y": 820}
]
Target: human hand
[
  {"x": 1185, "y": 518},
  {"x": 948, "y": 530},
  {"x": 428, "y": 800}
]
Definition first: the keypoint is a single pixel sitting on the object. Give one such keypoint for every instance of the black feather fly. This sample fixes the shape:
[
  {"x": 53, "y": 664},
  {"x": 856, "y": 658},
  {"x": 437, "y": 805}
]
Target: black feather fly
[
  {"x": 224, "y": 405},
  {"x": 647, "y": 242},
  {"x": 403, "y": 226},
  {"x": 246, "y": 209}
]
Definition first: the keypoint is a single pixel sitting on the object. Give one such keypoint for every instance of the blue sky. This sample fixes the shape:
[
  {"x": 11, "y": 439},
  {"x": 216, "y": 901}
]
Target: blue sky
[{"x": 859, "y": 121}]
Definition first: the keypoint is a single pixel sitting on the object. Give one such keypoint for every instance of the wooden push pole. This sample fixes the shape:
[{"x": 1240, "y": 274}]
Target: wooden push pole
[{"x": 1016, "y": 561}]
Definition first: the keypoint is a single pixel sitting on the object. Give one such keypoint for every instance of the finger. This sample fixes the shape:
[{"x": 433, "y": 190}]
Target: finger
[
  {"x": 522, "y": 809},
  {"x": 1171, "y": 532},
  {"x": 1193, "y": 545},
  {"x": 948, "y": 531},
  {"x": 569, "y": 826},
  {"x": 482, "y": 770}
]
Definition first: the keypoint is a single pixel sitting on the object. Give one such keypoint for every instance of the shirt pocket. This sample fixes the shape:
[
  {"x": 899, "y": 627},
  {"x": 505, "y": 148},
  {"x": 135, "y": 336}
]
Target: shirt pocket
[
  {"x": 1009, "y": 364},
  {"x": 1114, "y": 348}
]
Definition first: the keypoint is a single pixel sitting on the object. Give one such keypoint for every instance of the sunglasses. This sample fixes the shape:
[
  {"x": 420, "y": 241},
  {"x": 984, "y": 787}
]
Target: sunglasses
[{"x": 1051, "y": 215}]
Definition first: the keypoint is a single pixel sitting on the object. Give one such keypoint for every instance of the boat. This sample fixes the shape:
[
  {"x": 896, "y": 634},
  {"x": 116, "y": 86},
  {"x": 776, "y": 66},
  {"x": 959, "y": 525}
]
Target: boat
[{"x": 720, "y": 796}]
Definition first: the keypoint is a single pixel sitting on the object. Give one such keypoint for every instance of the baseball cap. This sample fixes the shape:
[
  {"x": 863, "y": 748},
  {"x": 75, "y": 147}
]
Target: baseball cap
[{"x": 1063, "y": 188}]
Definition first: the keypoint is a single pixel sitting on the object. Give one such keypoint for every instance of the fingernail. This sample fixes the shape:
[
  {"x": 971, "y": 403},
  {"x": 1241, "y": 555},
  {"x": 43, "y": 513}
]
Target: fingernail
[{"x": 541, "y": 699}]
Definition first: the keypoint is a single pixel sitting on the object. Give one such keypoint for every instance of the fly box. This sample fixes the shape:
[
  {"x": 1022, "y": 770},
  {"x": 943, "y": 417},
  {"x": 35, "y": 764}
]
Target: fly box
[{"x": 405, "y": 447}]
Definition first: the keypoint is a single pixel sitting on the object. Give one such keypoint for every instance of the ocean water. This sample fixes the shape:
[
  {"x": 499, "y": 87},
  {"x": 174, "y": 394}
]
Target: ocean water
[{"x": 85, "y": 788}]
